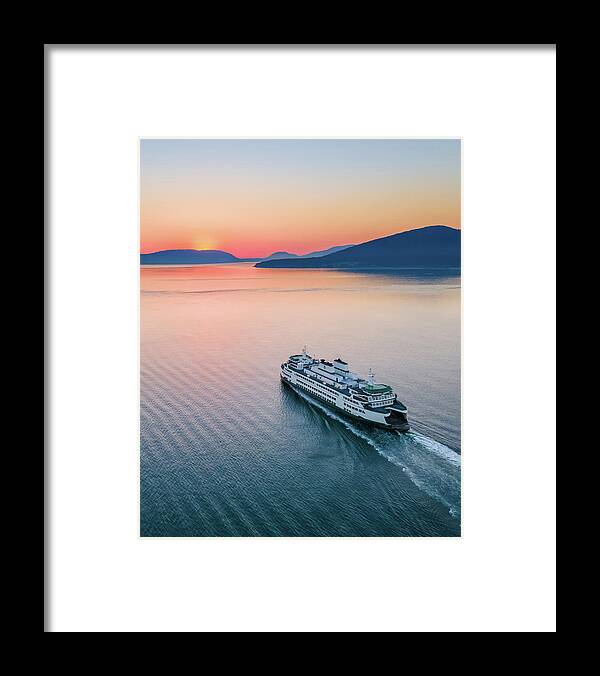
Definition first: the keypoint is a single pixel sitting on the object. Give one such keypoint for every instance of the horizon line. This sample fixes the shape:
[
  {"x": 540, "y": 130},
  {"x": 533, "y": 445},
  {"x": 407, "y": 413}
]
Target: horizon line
[{"x": 420, "y": 227}]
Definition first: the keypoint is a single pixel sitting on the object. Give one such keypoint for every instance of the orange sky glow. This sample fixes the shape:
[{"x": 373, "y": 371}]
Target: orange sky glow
[{"x": 254, "y": 197}]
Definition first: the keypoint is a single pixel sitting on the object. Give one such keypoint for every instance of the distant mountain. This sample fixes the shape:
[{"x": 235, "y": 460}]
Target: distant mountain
[
  {"x": 281, "y": 255},
  {"x": 187, "y": 257},
  {"x": 277, "y": 255},
  {"x": 326, "y": 252},
  {"x": 432, "y": 246}
]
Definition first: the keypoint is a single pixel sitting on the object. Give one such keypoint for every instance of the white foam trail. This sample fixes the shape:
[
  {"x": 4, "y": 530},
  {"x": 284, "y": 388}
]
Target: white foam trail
[
  {"x": 430, "y": 444},
  {"x": 421, "y": 440},
  {"x": 437, "y": 448}
]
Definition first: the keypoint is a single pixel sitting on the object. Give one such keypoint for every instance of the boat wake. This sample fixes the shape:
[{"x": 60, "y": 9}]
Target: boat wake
[
  {"x": 435, "y": 447},
  {"x": 431, "y": 466}
]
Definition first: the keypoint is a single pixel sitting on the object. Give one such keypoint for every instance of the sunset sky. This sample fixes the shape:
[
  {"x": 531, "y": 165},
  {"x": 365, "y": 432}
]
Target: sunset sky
[{"x": 254, "y": 197}]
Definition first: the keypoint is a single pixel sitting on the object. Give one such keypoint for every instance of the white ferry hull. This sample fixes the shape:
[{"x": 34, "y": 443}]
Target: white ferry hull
[{"x": 392, "y": 419}]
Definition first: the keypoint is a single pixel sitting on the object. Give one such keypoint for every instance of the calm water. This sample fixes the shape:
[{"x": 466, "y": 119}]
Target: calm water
[{"x": 226, "y": 450}]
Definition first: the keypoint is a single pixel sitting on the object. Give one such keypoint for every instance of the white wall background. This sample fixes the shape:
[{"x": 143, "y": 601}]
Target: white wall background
[{"x": 500, "y": 575}]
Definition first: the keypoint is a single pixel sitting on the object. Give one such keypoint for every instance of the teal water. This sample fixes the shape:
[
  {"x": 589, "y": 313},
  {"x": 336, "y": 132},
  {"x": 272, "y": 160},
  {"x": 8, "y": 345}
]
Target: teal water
[{"x": 227, "y": 450}]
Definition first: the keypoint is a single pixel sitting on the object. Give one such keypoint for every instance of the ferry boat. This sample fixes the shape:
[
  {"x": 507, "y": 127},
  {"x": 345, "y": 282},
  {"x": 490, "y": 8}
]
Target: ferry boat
[{"x": 333, "y": 384}]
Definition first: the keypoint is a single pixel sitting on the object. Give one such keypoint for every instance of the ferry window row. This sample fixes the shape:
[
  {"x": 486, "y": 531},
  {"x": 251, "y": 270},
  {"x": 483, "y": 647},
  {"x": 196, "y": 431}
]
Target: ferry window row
[{"x": 319, "y": 393}]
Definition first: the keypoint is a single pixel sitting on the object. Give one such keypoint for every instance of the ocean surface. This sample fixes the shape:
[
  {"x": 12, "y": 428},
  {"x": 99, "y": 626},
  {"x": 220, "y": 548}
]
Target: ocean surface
[{"x": 227, "y": 450}]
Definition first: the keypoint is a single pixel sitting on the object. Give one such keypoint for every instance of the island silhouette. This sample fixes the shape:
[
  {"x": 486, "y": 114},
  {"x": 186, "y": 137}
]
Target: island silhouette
[{"x": 430, "y": 246}]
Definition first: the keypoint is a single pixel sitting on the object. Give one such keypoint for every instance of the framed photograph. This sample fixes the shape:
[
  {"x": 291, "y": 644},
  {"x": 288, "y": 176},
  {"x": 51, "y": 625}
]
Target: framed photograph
[
  {"x": 300, "y": 337},
  {"x": 300, "y": 332}
]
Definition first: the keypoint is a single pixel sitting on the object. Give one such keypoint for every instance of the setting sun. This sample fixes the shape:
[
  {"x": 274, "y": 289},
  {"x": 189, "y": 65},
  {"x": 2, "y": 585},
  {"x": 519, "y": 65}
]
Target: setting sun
[{"x": 204, "y": 243}]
